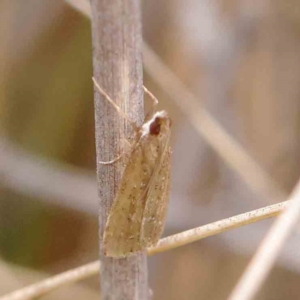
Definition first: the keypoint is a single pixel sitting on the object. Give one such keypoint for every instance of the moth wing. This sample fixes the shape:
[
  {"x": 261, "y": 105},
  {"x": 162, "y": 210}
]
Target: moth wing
[
  {"x": 122, "y": 234},
  {"x": 157, "y": 199}
]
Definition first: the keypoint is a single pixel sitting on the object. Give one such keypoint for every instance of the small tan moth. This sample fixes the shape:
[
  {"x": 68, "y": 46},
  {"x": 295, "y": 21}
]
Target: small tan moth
[{"x": 137, "y": 217}]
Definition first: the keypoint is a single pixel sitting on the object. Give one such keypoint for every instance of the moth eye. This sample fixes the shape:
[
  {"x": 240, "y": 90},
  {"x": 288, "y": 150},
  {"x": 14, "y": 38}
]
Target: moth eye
[{"x": 155, "y": 127}]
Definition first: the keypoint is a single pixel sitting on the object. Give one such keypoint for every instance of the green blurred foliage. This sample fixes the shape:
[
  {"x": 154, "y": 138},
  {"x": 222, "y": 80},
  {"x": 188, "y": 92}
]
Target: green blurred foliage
[
  {"x": 49, "y": 112},
  {"x": 50, "y": 91}
]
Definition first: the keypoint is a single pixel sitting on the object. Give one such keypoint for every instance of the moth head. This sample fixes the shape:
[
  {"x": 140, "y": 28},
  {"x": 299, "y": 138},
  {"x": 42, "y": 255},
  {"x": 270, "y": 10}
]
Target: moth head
[{"x": 159, "y": 123}]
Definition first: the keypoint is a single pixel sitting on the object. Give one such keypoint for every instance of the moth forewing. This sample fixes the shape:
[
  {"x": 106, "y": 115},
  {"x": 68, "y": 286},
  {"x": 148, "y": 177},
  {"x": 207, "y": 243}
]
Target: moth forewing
[
  {"x": 145, "y": 182},
  {"x": 122, "y": 231},
  {"x": 155, "y": 211}
]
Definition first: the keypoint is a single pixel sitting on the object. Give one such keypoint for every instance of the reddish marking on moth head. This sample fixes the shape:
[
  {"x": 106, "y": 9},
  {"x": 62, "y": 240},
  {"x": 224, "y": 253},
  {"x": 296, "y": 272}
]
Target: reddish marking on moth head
[{"x": 155, "y": 126}]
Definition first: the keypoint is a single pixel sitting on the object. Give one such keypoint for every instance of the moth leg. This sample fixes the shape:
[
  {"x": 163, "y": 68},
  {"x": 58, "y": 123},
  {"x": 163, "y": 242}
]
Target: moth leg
[
  {"x": 111, "y": 162},
  {"x": 154, "y": 102},
  {"x": 117, "y": 108}
]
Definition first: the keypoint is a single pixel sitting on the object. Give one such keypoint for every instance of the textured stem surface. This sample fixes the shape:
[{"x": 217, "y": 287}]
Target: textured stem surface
[{"x": 117, "y": 59}]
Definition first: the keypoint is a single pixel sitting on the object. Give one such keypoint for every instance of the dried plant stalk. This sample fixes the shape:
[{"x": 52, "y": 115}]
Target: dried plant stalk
[
  {"x": 165, "y": 244},
  {"x": 196, "y": 234},
  {"x": 50, "y": 284},
  {"x": 117, "y": 60},
  {"x": 210, "y": 129},
  {"x": 262, "y": 262}
]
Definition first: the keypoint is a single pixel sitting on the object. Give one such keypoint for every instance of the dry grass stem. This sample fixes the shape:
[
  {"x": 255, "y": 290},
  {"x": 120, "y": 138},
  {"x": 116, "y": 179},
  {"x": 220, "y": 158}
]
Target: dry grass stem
[
  {"x": 118, "y": 69},
  {"x": 196, "y": 234},
  {"x": 165, "y": 244},
  {"x": 262, "y": 262},
  {"x": 45, "y": 286},
  {"x": 224, "y": 144},
  {"x": 78, "y": 183}
]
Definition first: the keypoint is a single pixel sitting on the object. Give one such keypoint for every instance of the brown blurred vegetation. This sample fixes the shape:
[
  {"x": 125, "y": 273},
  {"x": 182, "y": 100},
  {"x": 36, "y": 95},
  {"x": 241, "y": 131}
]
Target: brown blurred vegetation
[{"x": 240, "y": 58}]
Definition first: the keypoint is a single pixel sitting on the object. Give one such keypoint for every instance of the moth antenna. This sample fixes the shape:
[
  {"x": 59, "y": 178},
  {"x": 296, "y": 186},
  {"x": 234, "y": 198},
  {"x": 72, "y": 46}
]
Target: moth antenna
[
  {"x": 154, "y": 99},
  {"x": 117, "y": 108}
]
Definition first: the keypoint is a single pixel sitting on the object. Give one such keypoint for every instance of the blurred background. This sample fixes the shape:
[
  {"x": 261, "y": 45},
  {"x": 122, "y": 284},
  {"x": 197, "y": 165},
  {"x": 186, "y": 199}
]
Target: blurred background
[{"x": 240, "y": 58}]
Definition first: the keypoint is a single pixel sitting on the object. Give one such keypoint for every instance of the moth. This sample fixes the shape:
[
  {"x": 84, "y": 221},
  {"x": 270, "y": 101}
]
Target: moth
[{"x": 137, "y": 216}]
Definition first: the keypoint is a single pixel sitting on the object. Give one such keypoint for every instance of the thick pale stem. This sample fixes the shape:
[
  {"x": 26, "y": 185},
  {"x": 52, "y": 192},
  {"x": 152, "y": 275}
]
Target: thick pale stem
[{"x": 117, "y": 59}]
